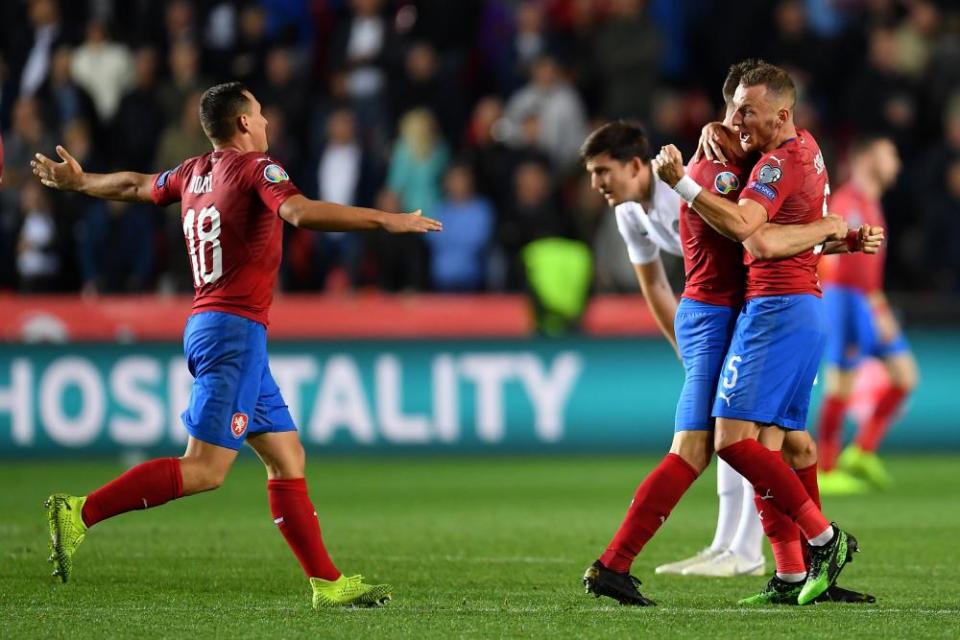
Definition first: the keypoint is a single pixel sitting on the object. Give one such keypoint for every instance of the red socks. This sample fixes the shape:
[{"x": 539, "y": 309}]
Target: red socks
[
  {"x": 655, "y": 498},
  {"x": 808, "y": 478},
  {"x": 784, "y": 536},
  {"x": 146, "y": 485},
  {"x": 775, "y": 481},
  {"x": 293, "y": 513},
  {"x": 830, "y": 431},
  {"x": 876, "y": 426}
]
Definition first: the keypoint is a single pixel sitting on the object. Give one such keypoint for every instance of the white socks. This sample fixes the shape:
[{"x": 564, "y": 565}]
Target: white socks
[
  {"x": 792, "y": 577},
  {"x": 748, "y": 540},
  {"x": 822, "y": 538},
  {"x": 731, "y": 505}
]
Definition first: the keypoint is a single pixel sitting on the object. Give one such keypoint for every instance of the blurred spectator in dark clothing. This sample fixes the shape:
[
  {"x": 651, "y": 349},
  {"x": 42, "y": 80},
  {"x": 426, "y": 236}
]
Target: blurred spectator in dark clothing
[
  {"x": 184, "y": 138},
  {"x": 221, "y": 34},
  {"x": 944, "y": 222},
  {"x": 534, "y": 213},
  {"x": 881, "y": 98},
  {"x": 424, "y": 84},
  {"x": 39, "y": 261},
  {"x": 401, "y": 261},
  {"x": 418, "y": 162},
  {"x": 184, "y": 79},
  {"x": 448, "y": 26},
  {"x": 458, "y": 259},
  {"x": 490, "y": 158},
  {"x": 285, "y": 88},
  {"x": 62, "y": 99},
  {"x": 104, "y": 68},
  {"x": 626, "y": 55},
  {"x": 179, "y": 22},
  {"x": 794, "y": 46},
  {"x": 252, "y": 44},
  {"x": 90, "y": 216},
  {"x": 31, "y": 48},
  {"x": 140, "y": 120},
  {"x": 511, "y": 52},
  {"x": 558, "y": 109},
  {"x": 361, "y": 48}
]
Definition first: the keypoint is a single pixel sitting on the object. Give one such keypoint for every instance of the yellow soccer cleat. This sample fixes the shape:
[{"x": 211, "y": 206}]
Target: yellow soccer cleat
[
  {"x": 349, "y": 592},
  {"x": 841, "y": 483},
  {"x": 67, "y": 531},
  {"x": 865, "y": 465}
]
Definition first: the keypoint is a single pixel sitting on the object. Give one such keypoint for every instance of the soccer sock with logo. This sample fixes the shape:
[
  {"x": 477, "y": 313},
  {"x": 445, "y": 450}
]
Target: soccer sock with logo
[
  {"x": 294, "y": 515},
  {"x": 730, "y": 494},
  {"x": 655, "y": 498},
  {"x": 146, "y": 485},
  {"x": 774, "y": 480},
  {"x": 830, "y": 431},
  {"x": 873, "y": 430}
]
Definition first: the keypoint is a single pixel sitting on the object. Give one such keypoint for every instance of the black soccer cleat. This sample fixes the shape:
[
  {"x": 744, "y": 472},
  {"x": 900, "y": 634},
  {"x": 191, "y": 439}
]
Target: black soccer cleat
[
  {"x": 839, "y": 594},
  {"x": 826, "y": 563},
  {"x": 622, "y": 587}
]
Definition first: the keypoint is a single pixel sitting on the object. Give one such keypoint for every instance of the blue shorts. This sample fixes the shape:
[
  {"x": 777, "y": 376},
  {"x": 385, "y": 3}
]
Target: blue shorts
[
  {"x": 703, "y": 335},
  {"x": 851, "y": 331},
  {"x": 772, "y": 361},
  {"x": 234, "y": 394}
]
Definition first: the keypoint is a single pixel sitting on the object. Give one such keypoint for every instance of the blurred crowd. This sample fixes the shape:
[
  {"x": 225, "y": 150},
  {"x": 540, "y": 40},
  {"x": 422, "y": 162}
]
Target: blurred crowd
[{"x": 472, "y": 110}]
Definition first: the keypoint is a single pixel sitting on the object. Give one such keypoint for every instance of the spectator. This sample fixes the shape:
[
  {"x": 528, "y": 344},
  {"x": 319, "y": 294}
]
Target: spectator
[
  {"x": 62, "y": 99},
  {"x": 252, "y": 44},
  {"x": 184, "y": 79},
  {"x": 34, "y": 48},
  {"x": 90, "y": 216},
  {"x": 285, "y": 88},
  {"x": 553, "y": 101},
  {"x": 489, "y": 156},
  {"x": 401, "y": 261},
  {"x": 458, "y": 256},
  {"x": 418, "y": 162},
  {"x": 140, "y": 120},
  {"x": 104, "y": 68},
  {"x": 626, "y": 54},
  {"x": 423, "y": 84},
  {"x": 944, "y": 220},
  {"x": 38, "y": 258}
]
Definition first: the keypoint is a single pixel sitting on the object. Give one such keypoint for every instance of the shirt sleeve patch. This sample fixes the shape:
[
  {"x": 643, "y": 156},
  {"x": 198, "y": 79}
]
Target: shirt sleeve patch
[
  {"x": 163, "y": 177},
  {"x": 274, "y": 173},
  {"x": 764, "y": 190}
]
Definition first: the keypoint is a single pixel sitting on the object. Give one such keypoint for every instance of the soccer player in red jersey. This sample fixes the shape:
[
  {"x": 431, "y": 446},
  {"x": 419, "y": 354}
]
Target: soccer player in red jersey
[
  {"x": 772, "y": 361},
  {"x": 861, "y": 325},
  {"x": 234, "y": 201}
]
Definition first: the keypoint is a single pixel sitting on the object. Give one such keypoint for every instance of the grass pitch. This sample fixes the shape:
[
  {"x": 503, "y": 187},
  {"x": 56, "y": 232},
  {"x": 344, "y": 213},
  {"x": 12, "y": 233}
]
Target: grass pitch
[{"x": 474, "y": 548}]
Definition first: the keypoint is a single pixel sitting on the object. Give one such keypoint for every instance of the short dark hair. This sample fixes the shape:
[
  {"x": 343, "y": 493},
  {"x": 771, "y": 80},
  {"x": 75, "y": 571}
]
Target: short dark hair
[
  {"x": 774, "y": 78},
  {"x": 735, "y": 73},
  {"x": 219, "y": 107},
  {"x": 622, "y": 140},
  {"x": 864, "y": 142}
]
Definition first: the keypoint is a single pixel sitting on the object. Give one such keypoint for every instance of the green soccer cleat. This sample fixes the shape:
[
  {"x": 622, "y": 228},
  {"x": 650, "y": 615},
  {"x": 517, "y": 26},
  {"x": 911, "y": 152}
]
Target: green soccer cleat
[
  {"x": 777, "y": 591},
  {"x": 67, "y": 531},
  {"x": 826, "y": 563},
  {"x": 841, "y": 483},
  {"x": 866, "y": 465},
  {"x": 349, "y": 592}
]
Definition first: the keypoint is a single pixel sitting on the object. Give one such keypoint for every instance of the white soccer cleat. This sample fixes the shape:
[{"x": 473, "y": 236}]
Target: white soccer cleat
[
  {"x": 678, "y": 567},
  {"x": 727, "y": 565}
]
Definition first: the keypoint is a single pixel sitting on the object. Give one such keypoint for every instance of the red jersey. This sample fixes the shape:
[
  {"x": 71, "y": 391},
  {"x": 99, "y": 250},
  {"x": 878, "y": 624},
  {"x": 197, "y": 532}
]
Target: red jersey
[
  {"x": 791, "y": 183},
  {"x": 229, "y": 205},
  {"x": 856, "y": 270},
  {"x": 713, "y": 263}
]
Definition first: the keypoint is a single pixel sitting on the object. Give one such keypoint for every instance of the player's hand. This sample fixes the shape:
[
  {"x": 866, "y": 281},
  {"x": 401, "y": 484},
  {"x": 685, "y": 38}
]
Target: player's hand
[
  {"x": 66, "y": 175},
  {"x": 711, "y": 145},
  {"x": 871, "y": 238},
  {"x": 414, "y": 222},
  {"x": 838, "y": 227},
  {"x": 669, "y": 165}
]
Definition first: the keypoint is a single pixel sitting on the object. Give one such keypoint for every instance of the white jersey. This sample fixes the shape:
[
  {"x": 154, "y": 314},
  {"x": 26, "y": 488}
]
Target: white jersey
[{"x": 647, "y": 232}]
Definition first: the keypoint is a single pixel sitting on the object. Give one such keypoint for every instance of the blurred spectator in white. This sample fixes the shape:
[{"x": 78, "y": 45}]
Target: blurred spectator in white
[
  {"x": 558, "y": 108},
  {"x": 38, "y": 259},
  {"x": 458, "y": 260},
  {"x": 46, "y": 34},
  {"x": 184, "y": 79},
  {"x": 62, "y": 99},
  {"x": 418, "y": 162},
  {"x": 140, "y": 120},
  {"x": 345, "y": 172},
  {"x": 104, "y": 68},
  {"x": 626, "y": 51}
]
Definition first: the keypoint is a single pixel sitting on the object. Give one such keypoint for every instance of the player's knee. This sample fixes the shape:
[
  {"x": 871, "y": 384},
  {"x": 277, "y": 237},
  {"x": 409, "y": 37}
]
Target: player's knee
[
  {"x": 905, "y": 376},
  {"x": 799, "y": 453},
  {"x": 290, "y": 464},
  {"x": 199, "y": 475}
]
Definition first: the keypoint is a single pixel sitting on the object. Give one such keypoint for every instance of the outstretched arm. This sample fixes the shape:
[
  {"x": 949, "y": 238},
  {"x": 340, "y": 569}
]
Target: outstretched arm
[
  {"x": 301, "y": 211},
  {"x": 775, "y": 241},
  {"x": 68, "y": 175}
]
